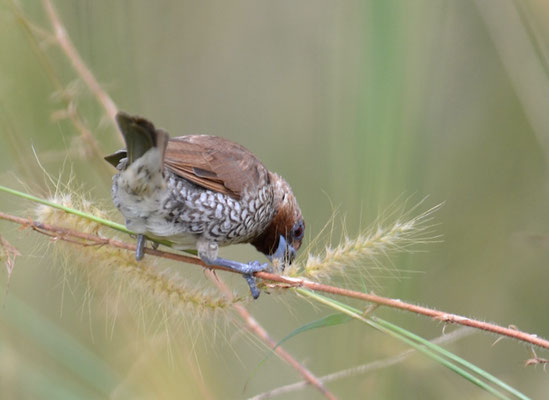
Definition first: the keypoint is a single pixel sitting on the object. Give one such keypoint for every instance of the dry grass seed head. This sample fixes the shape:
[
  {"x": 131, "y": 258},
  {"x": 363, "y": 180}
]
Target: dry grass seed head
[
  {"x": 353, "y": 257},
  {"x": 123, "y": 281}
]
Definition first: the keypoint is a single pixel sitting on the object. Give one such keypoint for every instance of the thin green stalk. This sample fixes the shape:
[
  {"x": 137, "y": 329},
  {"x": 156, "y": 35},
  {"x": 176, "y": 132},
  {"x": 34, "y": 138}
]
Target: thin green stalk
[
  {"x": 421, "y": 345},
  {"x": 82, "y": 214},
  {"x": 453, "y": 357},
  {"x": 102, "y": 221}
]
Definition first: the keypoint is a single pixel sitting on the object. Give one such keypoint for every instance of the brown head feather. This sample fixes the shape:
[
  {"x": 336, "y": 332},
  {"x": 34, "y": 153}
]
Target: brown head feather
[{"x": 288, "y": 216}]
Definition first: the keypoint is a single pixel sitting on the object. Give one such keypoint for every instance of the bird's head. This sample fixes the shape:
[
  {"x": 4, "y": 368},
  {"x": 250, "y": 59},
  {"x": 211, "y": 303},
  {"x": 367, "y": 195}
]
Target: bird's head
[{"x": 283, "y": 236}]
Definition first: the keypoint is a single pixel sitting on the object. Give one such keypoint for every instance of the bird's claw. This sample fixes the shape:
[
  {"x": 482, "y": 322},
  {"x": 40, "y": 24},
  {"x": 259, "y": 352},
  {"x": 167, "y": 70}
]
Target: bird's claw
[
  {"x": 252, "y": 267},
  {"x": 252, "y": 284},
  {"x": 256, "y": 266}
]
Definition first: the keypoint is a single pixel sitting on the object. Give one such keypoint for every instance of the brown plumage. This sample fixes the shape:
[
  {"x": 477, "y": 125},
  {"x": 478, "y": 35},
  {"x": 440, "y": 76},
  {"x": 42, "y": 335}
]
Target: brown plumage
[
  {"x": 215, "y": 163},
  {"x": 202, "y": 192}
]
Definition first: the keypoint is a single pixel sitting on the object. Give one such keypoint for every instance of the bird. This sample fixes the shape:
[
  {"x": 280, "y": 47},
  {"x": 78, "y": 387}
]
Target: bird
[{"x": 203, "y": 192}]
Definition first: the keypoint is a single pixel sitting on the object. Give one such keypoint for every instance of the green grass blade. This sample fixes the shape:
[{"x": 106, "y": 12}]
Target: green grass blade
[
  {"x": 329, "y": 320},
  {"x": 452, "y": 356},
  {"x": 433, "y": 351}
]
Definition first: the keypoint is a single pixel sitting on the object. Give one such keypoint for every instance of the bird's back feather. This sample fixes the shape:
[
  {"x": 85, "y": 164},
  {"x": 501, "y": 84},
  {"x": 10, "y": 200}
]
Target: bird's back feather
[{"x": 216, "y": 164}]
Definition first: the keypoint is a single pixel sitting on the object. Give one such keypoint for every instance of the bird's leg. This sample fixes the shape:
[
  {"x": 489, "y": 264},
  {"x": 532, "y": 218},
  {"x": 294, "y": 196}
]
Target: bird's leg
[
  {"x": 140, "y": 249},
  {"x": 207, "y": 251}
]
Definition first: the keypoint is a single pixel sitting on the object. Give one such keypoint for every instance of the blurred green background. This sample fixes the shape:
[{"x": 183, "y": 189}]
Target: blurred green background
[{"x": 358, "y": 104}]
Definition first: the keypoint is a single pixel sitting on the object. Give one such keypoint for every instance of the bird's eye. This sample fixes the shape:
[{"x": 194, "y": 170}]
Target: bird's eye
[{"x": 298, "y": 230}]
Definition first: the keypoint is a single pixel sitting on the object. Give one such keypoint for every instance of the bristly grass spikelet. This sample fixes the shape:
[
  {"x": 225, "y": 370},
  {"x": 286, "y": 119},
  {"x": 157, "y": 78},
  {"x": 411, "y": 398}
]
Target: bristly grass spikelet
[
  {"x": 355, "y": 255},
  {"x": 115, "y": 272}
]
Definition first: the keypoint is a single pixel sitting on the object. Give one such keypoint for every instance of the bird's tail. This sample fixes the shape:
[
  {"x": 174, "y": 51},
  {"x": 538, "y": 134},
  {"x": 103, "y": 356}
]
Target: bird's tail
[{"x": 140, "y": 136}]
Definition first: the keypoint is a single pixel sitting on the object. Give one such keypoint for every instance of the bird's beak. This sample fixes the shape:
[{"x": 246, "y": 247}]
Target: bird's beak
[{"x": 285, "y": 252}]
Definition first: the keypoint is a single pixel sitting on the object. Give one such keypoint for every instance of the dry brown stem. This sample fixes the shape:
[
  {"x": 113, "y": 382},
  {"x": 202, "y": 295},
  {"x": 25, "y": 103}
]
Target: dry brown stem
[
  {"x": 78, "y": 64},
  {"x": 65, "y": 234},
  {"x": 9, "y": 253},
  {"x": 255, "y": 327},
  {"x": 362, "y": 369},
  {"x": 92, "y": 147},
  {"x": 85, "y": 239}
]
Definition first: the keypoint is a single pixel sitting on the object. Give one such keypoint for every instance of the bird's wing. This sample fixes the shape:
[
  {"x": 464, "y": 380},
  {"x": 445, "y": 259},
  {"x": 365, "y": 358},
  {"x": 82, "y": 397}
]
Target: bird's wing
[{"x": 215, "y": 163}]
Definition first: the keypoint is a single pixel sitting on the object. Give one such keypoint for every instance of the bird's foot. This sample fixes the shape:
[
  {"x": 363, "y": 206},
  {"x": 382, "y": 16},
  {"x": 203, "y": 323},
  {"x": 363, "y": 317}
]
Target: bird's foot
[{"x": 247, "y": 270}]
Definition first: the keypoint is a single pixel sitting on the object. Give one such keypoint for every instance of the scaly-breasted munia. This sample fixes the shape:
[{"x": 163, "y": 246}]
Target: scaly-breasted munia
[{"x": 201, "y": 192}]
